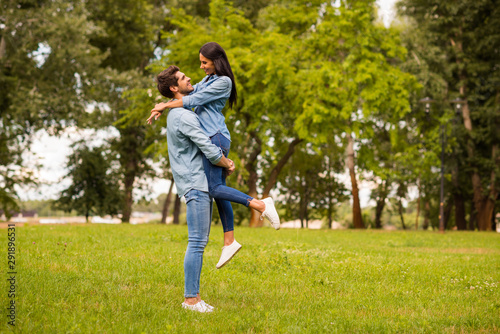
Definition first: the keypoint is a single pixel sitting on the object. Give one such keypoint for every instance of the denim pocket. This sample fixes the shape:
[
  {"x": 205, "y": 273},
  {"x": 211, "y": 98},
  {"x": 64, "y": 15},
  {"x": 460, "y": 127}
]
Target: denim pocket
[
  {"x": 191, "y": 195},
  {"x": 219, "y": 140}
]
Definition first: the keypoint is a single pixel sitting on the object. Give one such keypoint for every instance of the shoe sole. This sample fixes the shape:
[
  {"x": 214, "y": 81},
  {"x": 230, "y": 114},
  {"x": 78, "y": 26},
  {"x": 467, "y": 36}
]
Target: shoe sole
[{"x": 222, "y": 265}]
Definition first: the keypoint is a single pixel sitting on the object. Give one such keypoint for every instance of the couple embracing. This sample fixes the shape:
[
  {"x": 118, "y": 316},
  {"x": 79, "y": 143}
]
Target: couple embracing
[{"x": 198, "y": 147}]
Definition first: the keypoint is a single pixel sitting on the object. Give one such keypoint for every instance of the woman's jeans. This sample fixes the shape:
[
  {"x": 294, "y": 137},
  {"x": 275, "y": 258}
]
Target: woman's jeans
[
  {"x": 217, "y": 188},
  {"x": 199, "y": 217}
]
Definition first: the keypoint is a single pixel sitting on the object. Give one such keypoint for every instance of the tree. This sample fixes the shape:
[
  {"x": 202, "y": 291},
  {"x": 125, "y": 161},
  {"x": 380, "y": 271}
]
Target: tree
[
  {"x": 93, "y": 191},
  {"x": 47, "y": 68},
  {"x": 464, "y": 31},
  {"x": 262, "y": 121},
  {"x": 128, "y": 36},
  {"x": 352, "y": 82}
]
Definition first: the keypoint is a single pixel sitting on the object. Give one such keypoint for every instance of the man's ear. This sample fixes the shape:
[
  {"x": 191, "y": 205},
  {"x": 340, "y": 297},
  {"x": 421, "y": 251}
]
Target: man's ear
[{"x": 174, "y": 89}]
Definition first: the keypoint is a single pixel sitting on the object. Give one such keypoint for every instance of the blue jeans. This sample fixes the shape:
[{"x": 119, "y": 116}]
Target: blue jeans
[
  {"x": 217, "y": 188},
  {"x": 199, "y": 217}
]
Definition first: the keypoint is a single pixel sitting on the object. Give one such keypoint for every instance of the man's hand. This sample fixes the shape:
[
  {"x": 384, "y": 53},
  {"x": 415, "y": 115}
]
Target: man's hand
[{"x": 231, "y": 169}]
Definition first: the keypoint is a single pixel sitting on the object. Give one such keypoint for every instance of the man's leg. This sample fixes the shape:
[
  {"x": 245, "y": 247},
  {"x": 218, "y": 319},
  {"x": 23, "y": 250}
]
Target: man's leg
[{"x": 198, "y": 217}]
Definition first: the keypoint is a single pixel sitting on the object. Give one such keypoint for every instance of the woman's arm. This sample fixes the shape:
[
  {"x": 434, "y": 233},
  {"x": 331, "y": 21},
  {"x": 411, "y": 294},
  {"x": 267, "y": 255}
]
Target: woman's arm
[
  {"x": 158, "y": 109},
  {"x": 220, "y": 88}
]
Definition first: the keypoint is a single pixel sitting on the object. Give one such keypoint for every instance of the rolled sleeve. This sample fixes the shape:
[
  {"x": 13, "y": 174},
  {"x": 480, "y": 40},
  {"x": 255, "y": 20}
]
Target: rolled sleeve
[
  {"x": 190, "y": 127},
  {"x": 220, "y": 88}
]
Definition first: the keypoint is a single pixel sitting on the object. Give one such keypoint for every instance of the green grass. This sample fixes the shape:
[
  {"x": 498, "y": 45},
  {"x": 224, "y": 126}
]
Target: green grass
[{"x": 129, "y": 279}]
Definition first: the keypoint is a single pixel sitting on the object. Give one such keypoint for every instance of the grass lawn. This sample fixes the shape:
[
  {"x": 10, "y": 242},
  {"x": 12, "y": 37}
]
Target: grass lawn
[{"x": 129, "y": 279}]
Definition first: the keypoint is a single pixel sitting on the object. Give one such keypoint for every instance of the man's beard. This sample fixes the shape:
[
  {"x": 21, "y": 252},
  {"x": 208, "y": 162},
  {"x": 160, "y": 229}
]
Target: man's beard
[{"x": 186, "y": 91}]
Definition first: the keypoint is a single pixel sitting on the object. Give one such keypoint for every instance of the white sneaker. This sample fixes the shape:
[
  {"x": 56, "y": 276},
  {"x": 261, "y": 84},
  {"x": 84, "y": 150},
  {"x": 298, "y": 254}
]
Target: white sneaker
[
  {"x": 210, "y": 307},
  {"x": 227, "y": 253},
  {"x": 201, "y": 307},
  {"x": 270, "y": 213}
]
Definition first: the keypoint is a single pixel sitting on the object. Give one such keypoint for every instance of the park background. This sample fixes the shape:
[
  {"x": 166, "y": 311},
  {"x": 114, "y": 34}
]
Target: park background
[
  {"x": 331, "y": 120},
  {"x": 345, "y": 116}
]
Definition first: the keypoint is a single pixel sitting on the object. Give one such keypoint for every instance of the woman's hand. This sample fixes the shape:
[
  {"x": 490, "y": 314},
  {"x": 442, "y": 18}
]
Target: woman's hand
[
  {"x": 157, "y": 111},
  {"x": 159, "y": 107},
  {"x": 154, "y": 114}
]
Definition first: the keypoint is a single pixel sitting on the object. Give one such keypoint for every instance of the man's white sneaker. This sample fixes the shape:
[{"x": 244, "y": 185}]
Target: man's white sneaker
[
  {"x": 270, "y": 213},
  {"x": 227, "y": 253},
  {"x": 199, "y": 307},
  {"x": 210, "y": 307}
]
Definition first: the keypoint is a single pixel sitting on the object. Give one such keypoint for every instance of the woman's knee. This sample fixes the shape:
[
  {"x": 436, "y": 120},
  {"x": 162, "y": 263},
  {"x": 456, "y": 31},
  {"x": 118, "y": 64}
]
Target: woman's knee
[{"x": 214, "y": 190}]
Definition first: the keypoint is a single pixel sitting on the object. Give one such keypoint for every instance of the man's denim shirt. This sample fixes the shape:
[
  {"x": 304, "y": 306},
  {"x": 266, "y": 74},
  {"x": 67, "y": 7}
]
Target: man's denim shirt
[
  {"x": 186, "y": 143},
  {"x": 209, "y": 98}
]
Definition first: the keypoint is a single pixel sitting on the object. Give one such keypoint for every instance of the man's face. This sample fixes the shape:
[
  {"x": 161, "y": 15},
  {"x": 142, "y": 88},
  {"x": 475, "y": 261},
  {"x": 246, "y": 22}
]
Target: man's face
[{"x": 184, "y": 83}]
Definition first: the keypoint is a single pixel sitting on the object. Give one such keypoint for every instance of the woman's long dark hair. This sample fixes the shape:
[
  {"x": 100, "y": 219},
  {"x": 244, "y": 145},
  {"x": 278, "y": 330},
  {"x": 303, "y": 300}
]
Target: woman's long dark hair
[{"x": 216, "y": 53}]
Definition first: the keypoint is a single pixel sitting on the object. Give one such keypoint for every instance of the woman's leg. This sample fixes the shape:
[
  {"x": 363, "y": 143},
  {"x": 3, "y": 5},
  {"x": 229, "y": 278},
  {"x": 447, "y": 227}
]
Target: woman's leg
[{"x": 216, "y": 177}]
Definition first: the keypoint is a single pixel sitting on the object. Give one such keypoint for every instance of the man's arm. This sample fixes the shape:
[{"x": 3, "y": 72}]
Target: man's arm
[{"x": 190, "y": 126}]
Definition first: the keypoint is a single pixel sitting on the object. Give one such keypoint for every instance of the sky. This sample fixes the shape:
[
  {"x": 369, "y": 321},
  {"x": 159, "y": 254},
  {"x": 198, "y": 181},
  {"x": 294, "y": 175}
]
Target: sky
[{"x": 52, "y": 152}]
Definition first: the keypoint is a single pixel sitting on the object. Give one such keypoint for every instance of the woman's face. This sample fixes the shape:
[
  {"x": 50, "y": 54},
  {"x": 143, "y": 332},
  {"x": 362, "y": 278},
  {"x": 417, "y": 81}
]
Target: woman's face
[{"x": 207, "y": 65}]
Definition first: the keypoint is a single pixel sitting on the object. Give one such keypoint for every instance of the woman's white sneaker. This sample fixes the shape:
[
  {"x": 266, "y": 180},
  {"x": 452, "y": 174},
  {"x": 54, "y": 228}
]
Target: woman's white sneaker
[
  {"x": 270, "y": 213},
  {"x": 201, "y": 307},
  {"x": 227, "y": 253}
]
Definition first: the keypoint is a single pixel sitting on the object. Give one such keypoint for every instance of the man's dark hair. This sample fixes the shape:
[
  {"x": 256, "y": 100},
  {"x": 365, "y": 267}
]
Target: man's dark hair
[{"x": 166, "y": 79}]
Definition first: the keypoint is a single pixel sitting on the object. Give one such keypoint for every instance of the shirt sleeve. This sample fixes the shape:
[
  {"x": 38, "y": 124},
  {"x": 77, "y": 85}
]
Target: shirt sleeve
[
  {"x": 220, "y": 88},
  {"x": 190, "y": 127}
]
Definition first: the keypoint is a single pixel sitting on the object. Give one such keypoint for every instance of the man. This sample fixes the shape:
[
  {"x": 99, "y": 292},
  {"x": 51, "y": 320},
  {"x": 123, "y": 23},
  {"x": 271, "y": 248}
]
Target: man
[{"x": 186, "y": 144}]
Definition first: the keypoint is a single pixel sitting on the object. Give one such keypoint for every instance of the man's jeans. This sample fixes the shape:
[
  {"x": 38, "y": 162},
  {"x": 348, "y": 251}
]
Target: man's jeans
[
  {"x": 198, "y": 216},
  {"x": 217, "y": 188}
]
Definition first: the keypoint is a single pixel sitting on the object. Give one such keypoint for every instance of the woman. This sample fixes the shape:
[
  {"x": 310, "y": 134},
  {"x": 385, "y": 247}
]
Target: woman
[{"x": 209, "y": 98}]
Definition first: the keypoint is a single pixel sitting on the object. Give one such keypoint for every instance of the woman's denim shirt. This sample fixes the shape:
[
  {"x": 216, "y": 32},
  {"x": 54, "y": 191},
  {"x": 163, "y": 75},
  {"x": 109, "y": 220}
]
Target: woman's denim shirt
[{"x": 209, "y": 98}]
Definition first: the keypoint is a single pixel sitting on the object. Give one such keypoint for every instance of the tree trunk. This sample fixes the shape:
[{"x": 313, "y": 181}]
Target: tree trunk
[
  {"x": 330, "y": 203},
  {"x": 2, "y": 46},
  {"x": 177, "y": 209},
  {"x": 418, "y": 202},
  {"x": 458, "y": 199},
  {"x": 427, "y": 213},
  {"x": 302, "y": 209},
  {"x": 273, "y": 176},
  {"x": 460, "y": 212},
  {"x": 447, "y": 213},
  {"x": 488, "y": 201},
  {"x": 357, "y": 219},
  {"x": 166, "y": 204},
  {"x": 472, "y": 216},
  {"x": 379, "y": 209},
  {"x": 400, "y": 209},
  {"x": 129, "y": 187}
]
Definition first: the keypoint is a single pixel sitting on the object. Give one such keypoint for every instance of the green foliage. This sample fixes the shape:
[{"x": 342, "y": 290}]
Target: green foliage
[
  {"x": 454, "y": 54},
  {"x": 93, "y": 190},
  {"x": 307, "y": 72},
  {"x": 47, "y": 67}
]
